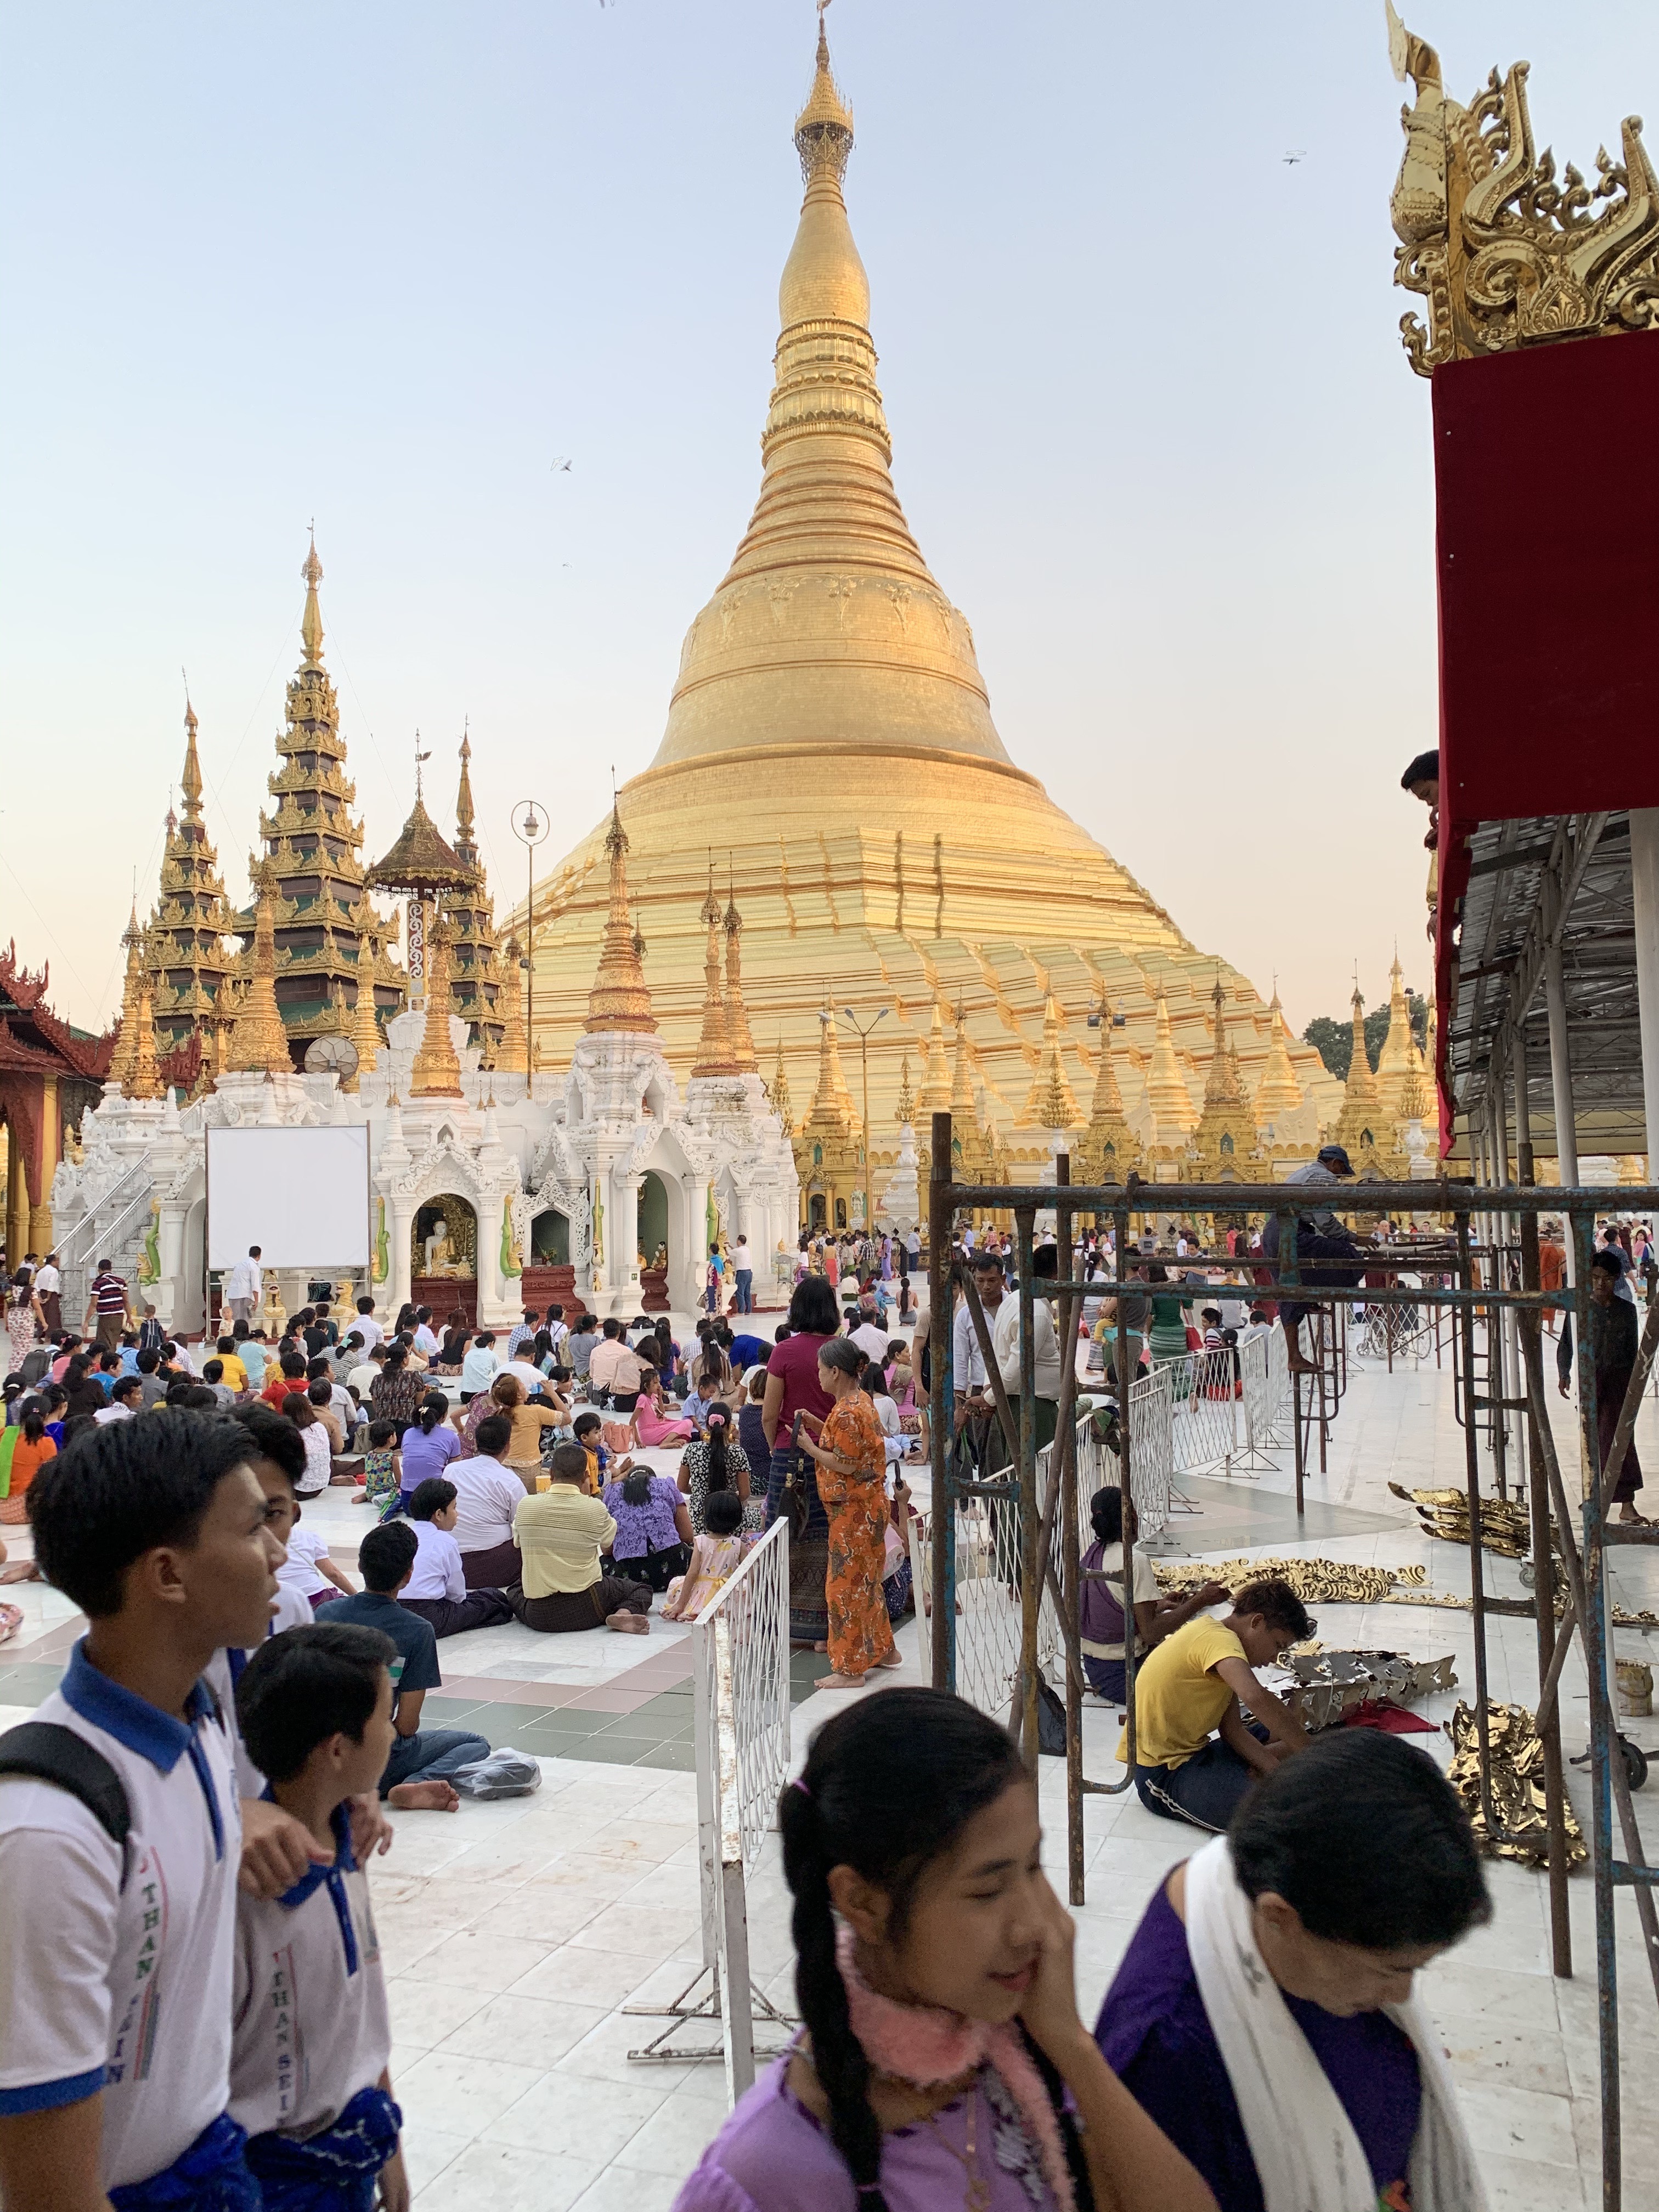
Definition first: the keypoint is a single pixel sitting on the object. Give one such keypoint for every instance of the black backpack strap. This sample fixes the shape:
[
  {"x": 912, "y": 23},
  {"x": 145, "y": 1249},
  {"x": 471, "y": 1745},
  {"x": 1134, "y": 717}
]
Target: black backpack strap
[{"x": 49, "y": 1753}]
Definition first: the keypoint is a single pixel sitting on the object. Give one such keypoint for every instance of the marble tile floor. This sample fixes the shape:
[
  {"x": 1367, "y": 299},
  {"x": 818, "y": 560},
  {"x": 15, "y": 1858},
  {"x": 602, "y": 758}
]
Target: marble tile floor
[{"x": 513, "y": 1934}]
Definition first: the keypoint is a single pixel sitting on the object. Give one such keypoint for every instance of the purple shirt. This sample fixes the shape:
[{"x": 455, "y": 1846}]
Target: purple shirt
[
  {"x": 642, "y": 1528},
  {"x": 773, "y": 2156},
  {"x": 426, "y": 1455},
  {"x": 1155, "y": 2035}
]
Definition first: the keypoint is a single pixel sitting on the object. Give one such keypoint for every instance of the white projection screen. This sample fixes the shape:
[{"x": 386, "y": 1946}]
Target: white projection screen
[{"x": 301, "y": 1194}]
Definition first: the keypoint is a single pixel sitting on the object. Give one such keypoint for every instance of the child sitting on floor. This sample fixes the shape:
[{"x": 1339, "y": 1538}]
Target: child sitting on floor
[
  {"x": 311, "y": 2032},
  {"x": 715, "y": 1556},
  {"x": 383, "y": 1470},
  {"x": 588, "y": 1432}
]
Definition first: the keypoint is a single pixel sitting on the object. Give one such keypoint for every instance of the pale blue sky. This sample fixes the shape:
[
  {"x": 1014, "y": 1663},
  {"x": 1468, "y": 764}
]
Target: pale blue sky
[{"x": 380, "y": 263}]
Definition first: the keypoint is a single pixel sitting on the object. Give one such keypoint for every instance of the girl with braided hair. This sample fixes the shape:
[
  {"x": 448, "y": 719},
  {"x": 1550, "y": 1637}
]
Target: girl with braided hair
[{"x": 933, "y": 1977}]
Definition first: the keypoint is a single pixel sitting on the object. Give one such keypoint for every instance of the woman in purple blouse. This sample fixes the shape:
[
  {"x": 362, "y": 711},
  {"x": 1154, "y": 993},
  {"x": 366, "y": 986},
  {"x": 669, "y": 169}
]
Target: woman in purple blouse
[
  {"x": 1264, "y": 2013},
  {"x": 654, "y": 1534},
  {"x": 943, "y": 2061}
]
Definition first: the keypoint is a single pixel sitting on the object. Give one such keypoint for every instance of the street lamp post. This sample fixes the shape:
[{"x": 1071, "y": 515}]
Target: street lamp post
[
  {"x": 863, "y": 1035},
  {"x": 530, "y": 826}
]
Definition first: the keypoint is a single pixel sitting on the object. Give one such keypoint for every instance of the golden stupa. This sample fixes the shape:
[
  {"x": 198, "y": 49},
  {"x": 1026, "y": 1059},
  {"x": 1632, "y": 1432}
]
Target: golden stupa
[{"x": 829, "y": 746}]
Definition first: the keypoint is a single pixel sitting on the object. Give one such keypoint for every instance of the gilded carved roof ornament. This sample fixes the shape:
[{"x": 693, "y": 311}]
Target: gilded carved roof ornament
[{"x": 1505, "y": 255}]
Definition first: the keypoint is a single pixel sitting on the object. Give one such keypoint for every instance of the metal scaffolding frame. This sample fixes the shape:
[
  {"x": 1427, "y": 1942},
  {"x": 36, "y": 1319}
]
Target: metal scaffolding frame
[{"x": 1485, "y": 1290}]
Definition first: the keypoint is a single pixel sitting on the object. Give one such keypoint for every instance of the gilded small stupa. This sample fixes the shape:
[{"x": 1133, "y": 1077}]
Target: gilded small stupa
[
  {"x": 321, "y": 911},
  {"x": 190, "y": 963},
  {"x": 1278, "y": 1094},
  {"x": 1362, "y": 1126},
  {"x": 828, "y": 1145},
  {"x": 475, "y": 981},
  {"x": 830, "y": 726},
  {"x": 1174, "y": 1114},
  {"x": 511, "y": 1056},
  {"x": 124, "y": 1054},
  {"x": 1225, "y": 1135},
  {"x": 1052, "y": 1102},
  {"x": 715, "y": 1053},
  {"x": 258, "y": 1042},
  {"x": 1395, "y": 1061},
  {"x": 1108, "y": 1150}
]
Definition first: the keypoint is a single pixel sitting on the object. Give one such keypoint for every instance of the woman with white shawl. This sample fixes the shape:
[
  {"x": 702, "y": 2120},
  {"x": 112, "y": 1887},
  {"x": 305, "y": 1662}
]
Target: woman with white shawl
[{"x": 1264, "y": 2013}]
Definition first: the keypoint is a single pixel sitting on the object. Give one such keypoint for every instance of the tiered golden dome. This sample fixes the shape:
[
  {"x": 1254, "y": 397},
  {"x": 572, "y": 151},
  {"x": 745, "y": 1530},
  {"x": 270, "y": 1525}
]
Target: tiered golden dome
[{"x": 831, "y": 728}]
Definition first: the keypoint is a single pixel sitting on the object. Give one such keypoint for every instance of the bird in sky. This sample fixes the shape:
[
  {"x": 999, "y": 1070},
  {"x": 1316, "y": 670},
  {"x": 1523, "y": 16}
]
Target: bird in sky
[{"x": 561, "y": 464}]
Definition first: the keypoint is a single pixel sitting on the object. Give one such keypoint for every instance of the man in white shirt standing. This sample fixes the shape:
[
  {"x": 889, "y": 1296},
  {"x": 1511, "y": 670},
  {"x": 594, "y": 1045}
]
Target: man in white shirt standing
[
  {"x": 245, "y": 1287},
  {"x": 49, "y": 1288},
  {"x": 1004, "y": 1342},
  {"x": 115, "y": 2003}
]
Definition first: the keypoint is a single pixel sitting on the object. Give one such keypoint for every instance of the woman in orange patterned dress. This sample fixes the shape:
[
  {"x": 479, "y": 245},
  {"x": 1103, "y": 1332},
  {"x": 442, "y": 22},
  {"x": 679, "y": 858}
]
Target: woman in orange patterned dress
[{"x": 852, "y": 1462}]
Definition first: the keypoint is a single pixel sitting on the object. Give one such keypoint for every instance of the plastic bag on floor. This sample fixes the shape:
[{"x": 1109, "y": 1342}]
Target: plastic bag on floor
[{"x": 504, "y": 1773}]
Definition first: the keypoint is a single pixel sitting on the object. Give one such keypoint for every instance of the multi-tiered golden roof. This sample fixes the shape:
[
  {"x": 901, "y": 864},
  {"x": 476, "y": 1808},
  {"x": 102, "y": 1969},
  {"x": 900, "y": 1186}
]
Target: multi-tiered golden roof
[{"x": 831, "y": 730}]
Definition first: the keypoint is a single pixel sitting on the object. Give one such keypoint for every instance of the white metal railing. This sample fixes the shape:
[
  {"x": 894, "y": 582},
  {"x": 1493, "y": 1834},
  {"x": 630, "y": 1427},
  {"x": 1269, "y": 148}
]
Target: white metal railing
[
  {"x": 1152, "y": 1449},
  {"x": 740, "y": 1678},
  {"x": 79, "y": 1243}
]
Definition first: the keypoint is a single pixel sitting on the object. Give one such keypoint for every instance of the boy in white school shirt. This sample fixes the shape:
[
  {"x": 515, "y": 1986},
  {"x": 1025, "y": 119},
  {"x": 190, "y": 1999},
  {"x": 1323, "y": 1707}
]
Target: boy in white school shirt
[
  {"x": 277, "y": 1849},
  {"x": 116, "y": 1956},
  {"x": 312, "y": 2034}
]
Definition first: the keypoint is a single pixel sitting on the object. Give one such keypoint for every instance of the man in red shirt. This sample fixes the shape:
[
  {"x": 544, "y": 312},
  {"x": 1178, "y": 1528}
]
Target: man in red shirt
[{"x": 289, "y": 1375}]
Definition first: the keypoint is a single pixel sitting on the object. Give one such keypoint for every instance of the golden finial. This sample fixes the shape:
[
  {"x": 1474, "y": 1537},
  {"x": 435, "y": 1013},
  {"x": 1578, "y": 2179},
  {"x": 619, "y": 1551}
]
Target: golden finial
[
  {"x": 907, "y": 1104},
  {"x": 824, "y": 129},
  {"x": 464, "y": 815},
  {"x": 311, "y": 626}
]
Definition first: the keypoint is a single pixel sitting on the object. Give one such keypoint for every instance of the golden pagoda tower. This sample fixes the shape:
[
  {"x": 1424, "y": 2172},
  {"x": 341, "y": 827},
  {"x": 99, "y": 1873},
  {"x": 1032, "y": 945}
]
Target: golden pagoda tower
[
  {"x": 619, "y": 999},
  {"x": 1393, "y": 1063},
  {"x": 512, "y": 1053},
  {"x": 188, "y": 958},
  {"x": 905, "y": 1109},
  {"x": 258, "y": 1043},
  {"x": 1362, "y": 1126},
  {"x": 312, "y": 845},
  {"x": 1226, "y": 1134},
  {"x": 1173, "y": 1112},
  {"x": 126, "y": 1037},
  {"x": 144, "y": 1081},
  {"x": 934, "y": 1096},
  {"x": 929, "y": 865},
  {"x": 737, "y": 1014},
  {"x": 476, "y": 977},
  {"x": 365, "y": 1028},
  {"x": 1278, "y": 1093},
  {"x": 1108, "y": 1150},
  {"x": 976, "y": 1149},
  {"x": 777, "y": 1093},
  {"x": 1051, "y": 1102},
  {"x": 436, "y": 1072},
  {"x": 714, "y": 1055},
  {"x": 829, "y": 1146}
]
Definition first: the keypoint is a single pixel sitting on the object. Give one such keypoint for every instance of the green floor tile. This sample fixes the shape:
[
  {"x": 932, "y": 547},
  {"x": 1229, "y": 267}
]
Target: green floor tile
[
  {"x": 637, "y": 1728},
  {"x": 504, "y": 1714},
  {"x": 604, "y": 1751},
  {"x": 678, "y": 1756},
  {"x": 447, "y": 1712}
]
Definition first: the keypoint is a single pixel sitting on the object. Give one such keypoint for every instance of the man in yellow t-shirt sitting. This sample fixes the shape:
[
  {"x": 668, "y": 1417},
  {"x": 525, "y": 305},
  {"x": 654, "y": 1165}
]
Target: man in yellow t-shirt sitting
[{"x": 1192, "y": 1684}]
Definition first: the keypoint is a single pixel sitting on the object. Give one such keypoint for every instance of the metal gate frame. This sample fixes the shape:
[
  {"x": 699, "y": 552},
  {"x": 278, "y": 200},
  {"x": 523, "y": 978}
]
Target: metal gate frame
[{"x": 1482, "y": 1282}]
